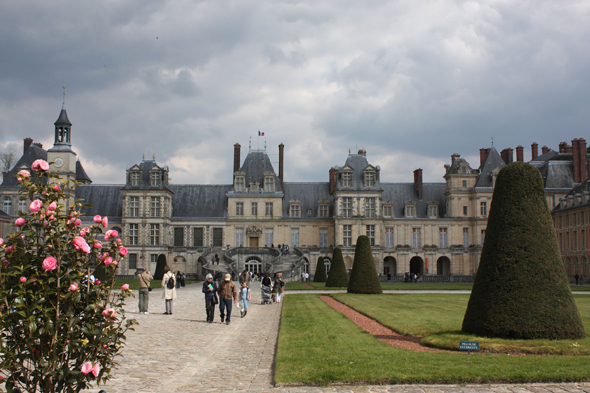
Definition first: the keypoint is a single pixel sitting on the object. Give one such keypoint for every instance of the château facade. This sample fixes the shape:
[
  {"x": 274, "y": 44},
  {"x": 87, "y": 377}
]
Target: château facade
[{"x": 432, "y": 229}]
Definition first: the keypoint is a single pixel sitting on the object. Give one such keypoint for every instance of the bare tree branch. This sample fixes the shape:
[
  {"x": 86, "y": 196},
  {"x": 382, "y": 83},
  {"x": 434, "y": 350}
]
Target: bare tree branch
[{"x": 8, "y": 159}]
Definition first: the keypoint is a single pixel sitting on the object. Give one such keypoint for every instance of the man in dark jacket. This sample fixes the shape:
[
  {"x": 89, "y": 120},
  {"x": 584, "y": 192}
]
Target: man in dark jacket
[
  {"x": 209, "y": 289},
  {"x": 245, "y": 278},
  {"x": 227, "y": 290}
]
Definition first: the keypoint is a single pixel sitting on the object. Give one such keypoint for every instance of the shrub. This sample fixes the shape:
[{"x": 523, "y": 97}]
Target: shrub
[
  {"x": 364, "y": 278},
  {"x": 320, "y": 271},
  {"x": 521, "y": 289},
  {"x": 160, "y": 265},
  {"x": 60, "y": 330},
  {"x": 337, "y": 277}
]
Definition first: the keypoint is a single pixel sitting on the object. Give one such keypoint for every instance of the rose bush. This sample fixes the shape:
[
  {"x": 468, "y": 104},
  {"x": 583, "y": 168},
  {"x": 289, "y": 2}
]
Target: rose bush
[{"x": 59, "y": 330}]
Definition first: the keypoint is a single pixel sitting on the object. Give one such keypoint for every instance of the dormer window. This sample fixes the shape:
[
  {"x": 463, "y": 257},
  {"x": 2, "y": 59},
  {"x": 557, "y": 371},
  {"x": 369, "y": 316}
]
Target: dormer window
[
  {"x": 294, "y": 208},
  {"x": 239, "y": 184},
  {"x": 323, "y": 207},
  {"x": 410, "y": 209},
  {"x": 347, "y": 179},
  {"x": 155, "y": 179},
  {"x": 387, "y": 210},
  {"x": 135, "y": 179},
  {"x": 433, "y": 209},
  {"x": 269, "y": 184},
  {"x": 370, "y": 178}
]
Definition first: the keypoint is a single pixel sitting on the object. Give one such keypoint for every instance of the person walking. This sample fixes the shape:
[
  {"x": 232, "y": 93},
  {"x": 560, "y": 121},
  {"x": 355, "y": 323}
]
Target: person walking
[
  {"x": 245, "y": 277},
  {"x": 178, "y": 279},
  {"x": 245, "y": 297},
  {"x": 227, "y": 291},
  {"x": 210, "y": 291},
  {"x": 144, "y": 279},
  {"x": 169, "y": 285},
  {"x": 278, "y": 287}
]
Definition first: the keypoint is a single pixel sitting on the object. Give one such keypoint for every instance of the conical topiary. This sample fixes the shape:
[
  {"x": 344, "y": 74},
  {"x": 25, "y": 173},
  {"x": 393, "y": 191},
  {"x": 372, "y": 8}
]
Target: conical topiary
[
  {"x": 364, "y": 278},
  {"x": 320, "y": 271},
  {"x": 161, "y": 264},
  {"x": 521, "y": 290},
  {"x": 337, "y": 277}
]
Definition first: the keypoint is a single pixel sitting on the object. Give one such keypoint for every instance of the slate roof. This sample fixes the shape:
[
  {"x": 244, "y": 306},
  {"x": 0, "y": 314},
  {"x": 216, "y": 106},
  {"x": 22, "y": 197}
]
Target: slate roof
[
  {"x": 492, "y": 161},
  {"x": 199, "y": 200},
  {"x": 63, "y": 119},
  {"x": 145, "y": 166},
  {"x": 105, "y": 200},
  {"x": 556, "y": 168},
  {"x": 400, "y": 193},
  {"x": 255, "y": 164},
  {"x": 81, "y": 173},
  {"x": 33, "y": 153},
  {"x": 358, "y": 163},
  {"x": 309, "y": 194}
]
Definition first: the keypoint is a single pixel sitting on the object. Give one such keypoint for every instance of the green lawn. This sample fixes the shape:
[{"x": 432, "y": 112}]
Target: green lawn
[
  {"x": 296, "y": 286},
  {"x": 318, "y": 345}
]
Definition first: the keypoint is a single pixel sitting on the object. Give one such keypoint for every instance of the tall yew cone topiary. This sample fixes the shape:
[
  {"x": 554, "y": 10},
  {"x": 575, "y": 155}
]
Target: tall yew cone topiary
[
  {"x": 521, "y": 290},
  {"x": 338, "y": 277},
  {"x": 364, "y": 278},
  {"x": 320, "y": 271},
  {"x": 160, "y": 265}
]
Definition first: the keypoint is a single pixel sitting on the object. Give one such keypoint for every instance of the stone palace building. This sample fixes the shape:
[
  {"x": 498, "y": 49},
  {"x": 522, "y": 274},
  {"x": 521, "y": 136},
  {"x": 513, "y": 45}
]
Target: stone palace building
[{"x": 432, "y": 229}]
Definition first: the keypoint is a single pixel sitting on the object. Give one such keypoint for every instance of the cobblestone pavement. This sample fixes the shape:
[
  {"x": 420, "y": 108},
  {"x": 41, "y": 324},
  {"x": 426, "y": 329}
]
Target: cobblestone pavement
[{"x": 183, "y": 353}]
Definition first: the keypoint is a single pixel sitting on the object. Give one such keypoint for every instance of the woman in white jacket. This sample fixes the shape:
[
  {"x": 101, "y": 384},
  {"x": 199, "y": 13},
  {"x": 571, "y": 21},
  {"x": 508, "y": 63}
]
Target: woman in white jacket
[{"x": 168, "y": 294}]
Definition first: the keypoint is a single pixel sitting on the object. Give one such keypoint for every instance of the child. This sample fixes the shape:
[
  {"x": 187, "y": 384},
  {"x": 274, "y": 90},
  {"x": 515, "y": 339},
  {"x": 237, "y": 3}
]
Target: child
[
  {"x": 245, "y": 297},
  {"x": 278, "y": 287}
]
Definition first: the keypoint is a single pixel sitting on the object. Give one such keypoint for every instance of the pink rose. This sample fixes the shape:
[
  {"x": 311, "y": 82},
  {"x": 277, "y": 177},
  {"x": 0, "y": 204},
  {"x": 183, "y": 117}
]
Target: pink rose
[
  {"x": 19, "y": 222},
  {"x": 109, "y": 313},
  {"x": 35, "y": 206},
  {"x": 105, "y": 221},
  {"x": 49, "y": 263},
  {"x": 1, "y": 241},
  {"x": 40, "y": 164},
  {"x": 10, "y": 249},
  {"x": 125, "y": 287},
  {"x": 56, "y": 187},
  {"x": 77, "y": 222},
  {"x": 74, "y": 286},
  {"x": 86, "y": 368},
  {"x": 96, "y": 370},
  {"x": 108, "y": 261},
  {"x": 81, "y": 244},
  {"x": 115, "y": 263},
  {"x": 97, "y": 282},
  {"x": 97, "y": 219},
  {"x": 118, "y": 240},
  {"x": 52, "y": 206},
  {"x": 23, "y": 279},
  {"x": 24, "y": 173},
  {"x": 123, "y": 251},
  {"x": 97, "y": 245}
]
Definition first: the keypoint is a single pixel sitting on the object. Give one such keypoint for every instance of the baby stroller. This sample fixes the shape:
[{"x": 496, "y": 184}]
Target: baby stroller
[{"x": 266, "y": 294}]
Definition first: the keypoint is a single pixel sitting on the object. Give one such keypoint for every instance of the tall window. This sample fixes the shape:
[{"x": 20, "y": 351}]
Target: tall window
[
  {"x": 347, "y": 179},
  {"x": 574, "y": 218},
  {"x": 217, "y": 237},
  {"x": 295, "y": 210},
  {"x": 239, "y": 237},
  {"x": 155, "y": 206},
  {"x": 387, "y": 211},
  {"x": 567, "y": 241},
  {"x": 371, "y": 234},
  {"x": 347, "y": 235},
  {"x": 575, "y": 239},
  {"x": 268, "y": 237},
  {"x": 582, "y": 217},
  {"x": 133, "y": 234},
  {"x": 269, "y": 184},
  {"x": 7, "y": 205},
  {"x": 370, "y": 207},
  {"x": 464, "y": 210},
  {"x": 134, "y": 206},
  {"x": 198, "y": 237},
  {"x": 410, "y": 211},
  {"x": 583, "y": 238},
  {"x": 154, "y": 258},
  {"x": 483, "y": 209},
  {"x": 155, "y": 234},
  {"x": 432, "y": 211},
  {"x": 239, "y": 208},
  {"x": 268, "y": 208},
  {"x": 347, "y": 207},
  {"x": 416, "y": 238},
  {"x": 465, "y": 237},
  {"x": 323, "y": 210},
  {"x": 483, "y": 236},
  {"x": 254, "y": 208},
  {"x": 135, "y": 178},
  {"x": 389, "y": 237},
  {"x": 294, "y": 237},
  {"x": 155, "y": 179},
  {"x": 178, "y": 237},
  {"x": 22, "y": 205},
  {"x": 239, "y": 187},
  {"x": 132, "y": 261},
  {"x": 369, "y": 179},
  {"x": 442, "y": 238},
  {"x": 323, "y": 237}
]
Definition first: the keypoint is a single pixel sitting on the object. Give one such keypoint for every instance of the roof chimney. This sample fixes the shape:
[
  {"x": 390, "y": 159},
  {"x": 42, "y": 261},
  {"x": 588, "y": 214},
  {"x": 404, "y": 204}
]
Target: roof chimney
[
  {"x": 332, "y": 180},
  {"x": 576, "y": 159},
  {"x": 583, "y": 159},
  {"x": 362, "y": 152},
  {"x": 237, "y": 147},
  {"x": 507, "y": 155},
  {"x": 281, "y": 157},
  {"x": 39, "y": 145},
  {"x": 534, "y": 150},
  {"x": 519, "y": 153},
  {"x": 544, "y": 149},
  {"x": 27, "y": 144},
  {"x": 483, "y": 153},
  {"x": 418, "y": 182},
  {"x": 454, "y": 157}
]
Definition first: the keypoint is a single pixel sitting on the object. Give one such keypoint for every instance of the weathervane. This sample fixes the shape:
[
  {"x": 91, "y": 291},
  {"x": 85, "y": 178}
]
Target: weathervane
[
  {"x": 492, "y": 141},
  {"x": 63, "y": 104}
]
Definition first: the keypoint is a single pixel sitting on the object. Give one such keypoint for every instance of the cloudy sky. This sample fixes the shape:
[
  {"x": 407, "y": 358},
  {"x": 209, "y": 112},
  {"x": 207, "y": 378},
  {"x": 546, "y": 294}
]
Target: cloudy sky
[{"x": 410, "y": 81}]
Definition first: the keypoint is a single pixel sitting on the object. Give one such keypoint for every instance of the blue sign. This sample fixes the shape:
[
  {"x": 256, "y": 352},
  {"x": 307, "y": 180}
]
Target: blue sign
[{"x": 469, "y": 346}]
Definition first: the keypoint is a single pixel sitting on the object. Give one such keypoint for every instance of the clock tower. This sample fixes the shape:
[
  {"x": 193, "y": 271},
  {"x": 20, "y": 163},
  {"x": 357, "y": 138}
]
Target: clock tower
[{"x": 61, "y": 154}]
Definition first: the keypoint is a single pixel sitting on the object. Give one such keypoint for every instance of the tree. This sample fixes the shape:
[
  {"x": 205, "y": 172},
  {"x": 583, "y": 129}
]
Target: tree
[
  {"x": 338, "y": 277},
  {"x": 60, "y": 330},
  {"x": 521, "y": 289},
  {"x": 8, "y": 159},
  {"x": 320, "y": 271},
  {"x": 364, "y": 278},
  {"x": 160, "y": 265}
]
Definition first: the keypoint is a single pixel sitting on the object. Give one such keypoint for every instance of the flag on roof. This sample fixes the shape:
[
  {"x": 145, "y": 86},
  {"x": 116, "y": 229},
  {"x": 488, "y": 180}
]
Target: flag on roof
[{"x": 260, "y": 133}]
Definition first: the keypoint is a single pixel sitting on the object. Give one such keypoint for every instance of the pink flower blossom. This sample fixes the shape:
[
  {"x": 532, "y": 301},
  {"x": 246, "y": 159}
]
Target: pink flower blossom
[
  {"x": 110, "y": 234},
  {"x": 109, "y": 313},
  {"x": 74, "y": 287},
  {"x": 108, "y": 261},
  {"x": 24, "y": 173},
  {"x": 56, "y": 187},
  {"x": 52, "y": 206},
  {"x": 10, "y": 249},
  {"x": 77, "y": 222},
  {"x": 104, "y": 346},
  {"x": 81, "y": 244},
  {"x": 97, "y": 245},
  {"x": 105, "y": 221},
  {"x": 96, "y": 370},
  {"x": 35, "y": 206},
  {"x": 115, "y": 263},
  {"x": 40, "y": 164},
  {"x": 49, "y": 264},
  {"x": 19, "y": 222},
  {"x": 125, "y": 287},
  {"x": 97, "y": 282},
  {"x": 123, "y": 251},
  {"x": 97, "y": 218},
  {"x": 23, "y": 279},
  {"x": 118, "y": 240},
  {"x": 1, "y": 241},
  {"x": 86, "y": 368},
  {"x": 5, "y": 262},
  {"x": 41, "y": 216}
]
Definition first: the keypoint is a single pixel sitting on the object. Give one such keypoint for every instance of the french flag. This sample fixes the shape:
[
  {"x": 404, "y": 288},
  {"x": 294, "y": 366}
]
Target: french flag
[{"x": 260, "y": 133}]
